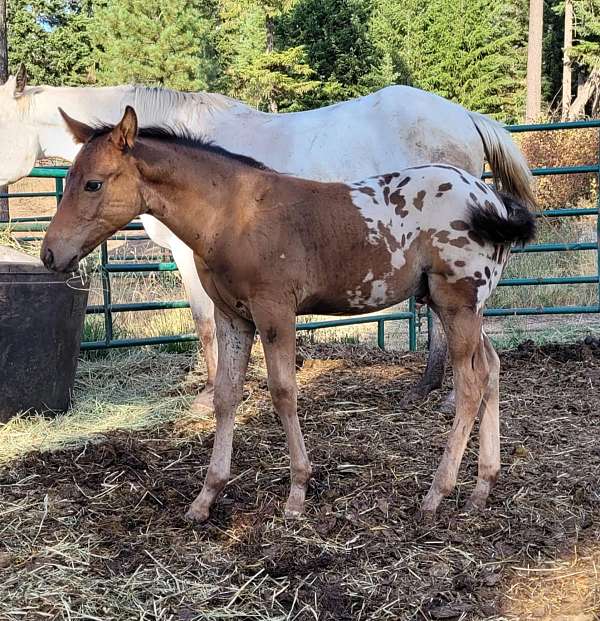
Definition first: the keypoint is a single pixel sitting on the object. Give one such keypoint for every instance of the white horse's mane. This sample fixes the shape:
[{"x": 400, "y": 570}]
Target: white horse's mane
[
  {"x": 150, "y": 102},
  {"x": 160, "y": 101}
]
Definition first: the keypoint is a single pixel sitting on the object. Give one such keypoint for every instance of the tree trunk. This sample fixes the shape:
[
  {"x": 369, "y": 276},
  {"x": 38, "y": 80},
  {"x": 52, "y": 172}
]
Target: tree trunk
[
  {"x": 585, "y": 91},
  {"x": 567, "y": 71},
  {"x": 4, "y": 211},
  {"x": 534, "y": 61},
  {"x": 270, "y": 25}
]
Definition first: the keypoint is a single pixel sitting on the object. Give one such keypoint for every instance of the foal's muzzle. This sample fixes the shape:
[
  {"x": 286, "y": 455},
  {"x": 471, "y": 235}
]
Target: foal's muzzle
[{"x": 49, "y": 260}]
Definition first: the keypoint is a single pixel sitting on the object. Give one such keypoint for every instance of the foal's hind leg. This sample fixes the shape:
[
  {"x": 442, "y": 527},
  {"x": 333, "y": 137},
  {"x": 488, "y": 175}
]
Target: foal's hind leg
[
  {"x": 489, "y": 432},
  {"x": 471, "y": 375}
]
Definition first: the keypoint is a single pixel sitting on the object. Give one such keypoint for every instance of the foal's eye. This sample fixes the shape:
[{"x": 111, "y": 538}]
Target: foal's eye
[{"x": 93, "y": 186}]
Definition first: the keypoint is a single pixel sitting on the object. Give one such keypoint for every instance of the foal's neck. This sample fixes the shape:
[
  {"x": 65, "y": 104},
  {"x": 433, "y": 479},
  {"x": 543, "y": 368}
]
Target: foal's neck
[{"x": 195, "y": 192}]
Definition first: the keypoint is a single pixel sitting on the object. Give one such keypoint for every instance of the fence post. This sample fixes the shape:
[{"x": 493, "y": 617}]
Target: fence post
[
  {"x": 412, "y": 325},
  {"x": 598, "y": 223},
  {"x": 381, "y": 334},
  {"x": 4, "y": 208},
  {"x": 59, "y": 187},
  {"x": 106, "y": 295}
]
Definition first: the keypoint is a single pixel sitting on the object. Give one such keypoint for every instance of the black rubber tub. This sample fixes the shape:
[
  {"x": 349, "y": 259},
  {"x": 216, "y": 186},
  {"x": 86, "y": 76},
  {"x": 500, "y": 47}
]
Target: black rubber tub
[{"x": 41, "y": 319}]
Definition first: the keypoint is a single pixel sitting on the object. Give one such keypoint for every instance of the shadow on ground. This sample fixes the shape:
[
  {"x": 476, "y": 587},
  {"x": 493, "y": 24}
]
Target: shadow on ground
[{"x": 97, "y": 530}]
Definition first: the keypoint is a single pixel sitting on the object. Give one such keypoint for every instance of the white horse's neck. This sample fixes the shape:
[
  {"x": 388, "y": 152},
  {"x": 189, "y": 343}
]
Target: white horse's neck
[{"x": 155, "y": 107}]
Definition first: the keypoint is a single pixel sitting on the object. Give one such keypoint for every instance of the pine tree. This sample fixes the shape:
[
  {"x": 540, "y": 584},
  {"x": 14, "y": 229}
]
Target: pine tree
[
  {"x": 586, "y": 57},
  {"x": 152, "y": 42},
  {"x": 335, "y": 34},
  {"x": 470, "y": 52},
  {"x": 50, "y": 37},
  {"x": 586, "y": 49},
  {"x": 258, "y": 69},
  {"x": 389, "y": 30}
]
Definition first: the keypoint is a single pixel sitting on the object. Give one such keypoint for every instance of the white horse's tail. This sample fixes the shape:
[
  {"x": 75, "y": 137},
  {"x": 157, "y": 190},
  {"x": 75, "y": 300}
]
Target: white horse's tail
[{"x": 509, "y": 167}]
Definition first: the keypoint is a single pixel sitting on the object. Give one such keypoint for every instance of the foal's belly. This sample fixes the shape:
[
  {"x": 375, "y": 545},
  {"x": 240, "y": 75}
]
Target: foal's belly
[{"x": 366, "y": 295}]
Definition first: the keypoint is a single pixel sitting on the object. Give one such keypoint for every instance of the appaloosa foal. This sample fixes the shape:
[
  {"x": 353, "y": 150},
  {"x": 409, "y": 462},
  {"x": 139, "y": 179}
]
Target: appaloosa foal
[{"x": 270, "y": 247}]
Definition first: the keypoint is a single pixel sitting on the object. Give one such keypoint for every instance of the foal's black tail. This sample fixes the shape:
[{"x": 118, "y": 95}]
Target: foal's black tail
[{"x": 517, "y": 227}]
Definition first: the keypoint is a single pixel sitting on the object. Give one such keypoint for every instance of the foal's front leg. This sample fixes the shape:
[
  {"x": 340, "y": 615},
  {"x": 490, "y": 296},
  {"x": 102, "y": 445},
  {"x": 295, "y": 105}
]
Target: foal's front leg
[
  {"x": 278, "y": 335},
  {"x": 235, "y": 337}
]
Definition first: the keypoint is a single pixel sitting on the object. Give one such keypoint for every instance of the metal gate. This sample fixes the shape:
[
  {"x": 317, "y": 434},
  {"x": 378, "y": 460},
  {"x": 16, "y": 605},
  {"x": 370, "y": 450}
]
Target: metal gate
[{"x": 107, "y": 267}]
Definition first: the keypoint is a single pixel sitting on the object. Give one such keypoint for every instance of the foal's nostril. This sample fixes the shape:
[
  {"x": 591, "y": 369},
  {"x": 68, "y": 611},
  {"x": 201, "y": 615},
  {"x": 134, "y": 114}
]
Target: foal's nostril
[{"x": 48, "y": 258}]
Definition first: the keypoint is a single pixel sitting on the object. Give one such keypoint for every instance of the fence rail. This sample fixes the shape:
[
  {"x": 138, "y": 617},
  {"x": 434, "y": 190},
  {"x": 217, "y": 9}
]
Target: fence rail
[{"x": 107, "y": 268}]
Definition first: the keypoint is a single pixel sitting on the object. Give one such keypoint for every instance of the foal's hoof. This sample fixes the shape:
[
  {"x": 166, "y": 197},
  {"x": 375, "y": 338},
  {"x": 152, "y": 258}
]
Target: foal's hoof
[
  {"x": 430, "y": 503},
  {"x": 448, "y": 405},
  {"x": 203, "y": 403},
  {"x": 293, "y": 511},
  {"x": 475, "y": 504},
  {"x": 196, "y": 516},
  {"x": 291, "y": 514},
  {"x": 425, "y": 516},
  {"x": 415, "y": 395}
]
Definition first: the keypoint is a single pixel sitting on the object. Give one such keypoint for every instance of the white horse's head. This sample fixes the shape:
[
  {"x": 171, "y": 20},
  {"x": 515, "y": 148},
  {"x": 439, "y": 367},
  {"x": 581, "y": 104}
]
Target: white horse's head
[{"x": 19, "y": 140}]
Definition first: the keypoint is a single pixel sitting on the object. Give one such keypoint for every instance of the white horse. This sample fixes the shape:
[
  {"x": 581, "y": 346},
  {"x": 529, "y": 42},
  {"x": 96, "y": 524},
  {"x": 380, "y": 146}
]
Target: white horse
[{"x": 391, "y": 129}]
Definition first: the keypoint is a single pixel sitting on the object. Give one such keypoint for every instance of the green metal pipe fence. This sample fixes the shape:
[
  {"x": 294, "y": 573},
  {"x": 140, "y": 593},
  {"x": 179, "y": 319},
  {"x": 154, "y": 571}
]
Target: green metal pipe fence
[{"x": 413, "y": 316}]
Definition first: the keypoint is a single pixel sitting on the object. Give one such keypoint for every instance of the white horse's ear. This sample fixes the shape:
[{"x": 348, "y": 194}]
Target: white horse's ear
[
  {"x": 80, "y": 131},
  {"x": 10, "y": 86},
  {"x": 20, "y": 80},
  {"x": 124, "y": 134}
]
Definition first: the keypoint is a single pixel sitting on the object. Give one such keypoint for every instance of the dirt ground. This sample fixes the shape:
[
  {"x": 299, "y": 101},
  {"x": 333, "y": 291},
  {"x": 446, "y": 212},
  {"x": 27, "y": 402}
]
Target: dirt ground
[{"x": 97, "y": 532}]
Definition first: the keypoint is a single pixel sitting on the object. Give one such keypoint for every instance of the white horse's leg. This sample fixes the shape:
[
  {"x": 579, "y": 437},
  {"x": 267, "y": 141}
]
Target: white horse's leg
[
  {"x": 436, "y": 364},
  {"x": 203, "y": 313},
  {"x": 200, "y": 304},
  {"x": 433, "y": 377}
]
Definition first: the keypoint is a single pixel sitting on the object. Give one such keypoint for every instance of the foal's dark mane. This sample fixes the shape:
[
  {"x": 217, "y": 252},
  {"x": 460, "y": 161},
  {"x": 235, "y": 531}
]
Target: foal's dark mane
[{"x": 183, "y": 137}]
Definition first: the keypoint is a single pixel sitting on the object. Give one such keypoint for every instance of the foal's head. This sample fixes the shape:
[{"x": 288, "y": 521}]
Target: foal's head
[{"x": 102, "y": 193}]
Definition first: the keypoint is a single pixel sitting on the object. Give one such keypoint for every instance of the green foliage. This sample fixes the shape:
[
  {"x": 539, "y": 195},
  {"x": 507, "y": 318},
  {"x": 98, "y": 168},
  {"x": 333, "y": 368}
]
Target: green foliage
[
  {"x": 285, "y": 55},
  {"x": 552, "y": 53},
  {"x": 51, "y": 38},
  {"x": 586, "y": 48},
  {"x": 470, "y": 52},
  {"x": 257, "y": 71},
  {"x": 152, "y": 42},
  {"x": 335, "y": 34},
  {"x": 276, "y": 78},
  {"x": 389, "y": 29}
]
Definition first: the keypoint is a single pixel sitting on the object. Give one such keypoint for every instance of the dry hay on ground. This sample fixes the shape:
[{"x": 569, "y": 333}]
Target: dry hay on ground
[{"x": 96, "y": 531}]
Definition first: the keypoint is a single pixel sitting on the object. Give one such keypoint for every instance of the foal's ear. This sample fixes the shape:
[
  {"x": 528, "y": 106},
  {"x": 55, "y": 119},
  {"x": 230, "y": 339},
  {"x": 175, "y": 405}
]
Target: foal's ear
[
  {"x": 124, "y": 134},
  {"x": 80, "y": 131},
  {"x": 20, "y": 80}
]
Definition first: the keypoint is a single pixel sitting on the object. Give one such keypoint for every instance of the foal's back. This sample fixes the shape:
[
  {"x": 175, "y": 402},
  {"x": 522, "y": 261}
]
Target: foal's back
[{"x": 374, "y": 243}]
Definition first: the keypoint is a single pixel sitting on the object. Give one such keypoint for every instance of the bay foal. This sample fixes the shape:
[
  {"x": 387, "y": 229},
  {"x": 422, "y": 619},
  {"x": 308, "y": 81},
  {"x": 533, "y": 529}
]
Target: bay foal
[{"x": 269, "y": 247}]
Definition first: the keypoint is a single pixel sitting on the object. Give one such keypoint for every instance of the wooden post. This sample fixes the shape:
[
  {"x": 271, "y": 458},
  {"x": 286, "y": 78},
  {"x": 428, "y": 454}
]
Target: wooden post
[
  {"x": 567, "y": 72},
  {"x": 534, "y": 61},
  {"x": 270, "y": 25},
  {"x": 4, "y": 211}
]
